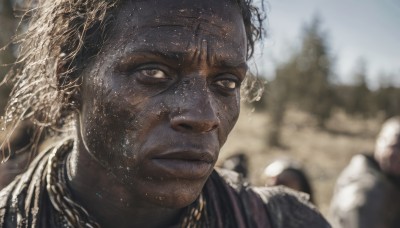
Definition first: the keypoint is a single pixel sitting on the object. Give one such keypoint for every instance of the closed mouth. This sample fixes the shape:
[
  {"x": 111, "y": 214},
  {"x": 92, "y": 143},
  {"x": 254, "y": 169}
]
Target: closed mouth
[
  {"x": 184, "y": 164},
  {"x": 189, "y": 156}
]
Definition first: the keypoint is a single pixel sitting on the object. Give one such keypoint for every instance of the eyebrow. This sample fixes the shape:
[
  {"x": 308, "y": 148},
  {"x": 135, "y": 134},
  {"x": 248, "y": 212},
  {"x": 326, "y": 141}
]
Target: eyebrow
[
  {"x": 166, "y": 56},
  {"x": 177, "y": 56},
  {"x": 233, "y": 64}
]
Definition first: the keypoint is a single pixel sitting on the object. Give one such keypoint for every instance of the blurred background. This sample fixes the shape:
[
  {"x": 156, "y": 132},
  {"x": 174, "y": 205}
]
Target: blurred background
[{"x": 332, "y": 76}]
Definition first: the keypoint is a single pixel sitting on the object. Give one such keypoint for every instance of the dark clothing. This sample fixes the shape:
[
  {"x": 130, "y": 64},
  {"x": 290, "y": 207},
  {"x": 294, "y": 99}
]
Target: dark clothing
[
  {"x": 279, "y": 207},
  {"x": 365, "y": 197},
  {"x": 229, "y": 203}
]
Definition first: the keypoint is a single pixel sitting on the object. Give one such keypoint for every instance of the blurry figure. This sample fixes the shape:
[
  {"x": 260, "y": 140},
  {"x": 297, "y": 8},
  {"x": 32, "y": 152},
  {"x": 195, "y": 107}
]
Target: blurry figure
[
  {"x": 367, "y": 193},
  {"x": 19, "y": 159},
  {"x": 290, "y": 174},
  {"x": 237, "y": 163}
]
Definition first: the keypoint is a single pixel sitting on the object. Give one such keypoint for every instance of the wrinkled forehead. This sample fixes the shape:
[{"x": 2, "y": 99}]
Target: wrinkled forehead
[
  {"x": 175, "y": 10},
  {"x": 217, "y": 18}
]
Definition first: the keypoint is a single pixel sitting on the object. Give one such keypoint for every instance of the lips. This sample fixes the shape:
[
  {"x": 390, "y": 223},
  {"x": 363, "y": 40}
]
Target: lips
[{"x": 183, "y": 164}]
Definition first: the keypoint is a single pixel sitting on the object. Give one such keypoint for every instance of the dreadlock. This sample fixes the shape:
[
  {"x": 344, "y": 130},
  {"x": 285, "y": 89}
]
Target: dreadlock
[{"x": 61, "y": 36}]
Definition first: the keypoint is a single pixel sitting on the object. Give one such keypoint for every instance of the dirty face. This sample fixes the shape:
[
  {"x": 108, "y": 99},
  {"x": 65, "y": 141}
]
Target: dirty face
[{"x": 163, "y": 94}]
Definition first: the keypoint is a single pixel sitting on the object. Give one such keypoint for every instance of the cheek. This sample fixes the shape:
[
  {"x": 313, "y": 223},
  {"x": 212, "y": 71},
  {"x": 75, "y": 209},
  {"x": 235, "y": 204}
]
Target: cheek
[
  {"x": 230, "y": 109},
  {"x": 228, "y": 114},
  {"x": 113, "y": 144},
  {"x": 109, "y": 131}
]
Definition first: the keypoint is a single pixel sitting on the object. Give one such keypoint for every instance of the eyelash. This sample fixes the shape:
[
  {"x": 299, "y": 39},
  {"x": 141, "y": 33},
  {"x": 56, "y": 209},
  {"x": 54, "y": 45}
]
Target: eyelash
[
  {"x": 153, "y": 71},
  {"x": 219, "y": 81},
  {"x": 143, "y": 74}
]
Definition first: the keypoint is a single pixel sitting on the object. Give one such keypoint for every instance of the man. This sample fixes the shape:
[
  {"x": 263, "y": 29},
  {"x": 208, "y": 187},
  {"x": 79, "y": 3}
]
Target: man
[
  {"x": 238, "y": 163},
  {"x": 288, "y": 173},
  {"x": 367, "y": 192},
  {"x": 145, "y": 94}
]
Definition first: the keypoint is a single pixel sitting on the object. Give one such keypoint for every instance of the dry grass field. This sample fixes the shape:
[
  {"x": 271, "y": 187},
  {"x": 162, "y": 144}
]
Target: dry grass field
[{"x": 324, "y": 153}]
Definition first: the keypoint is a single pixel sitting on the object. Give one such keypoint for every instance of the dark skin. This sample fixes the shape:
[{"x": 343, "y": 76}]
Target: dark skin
[{"x": 157, "y": 104}]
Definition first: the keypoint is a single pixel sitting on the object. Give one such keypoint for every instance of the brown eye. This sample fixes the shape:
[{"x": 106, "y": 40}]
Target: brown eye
[
  {"x": 154, "y": 73},
  {"x": 227, "y": 84}
]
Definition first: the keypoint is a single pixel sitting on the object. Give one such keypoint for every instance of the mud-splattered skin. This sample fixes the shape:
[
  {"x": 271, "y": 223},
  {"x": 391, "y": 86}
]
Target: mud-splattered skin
[{"x": 158, "y": 103}]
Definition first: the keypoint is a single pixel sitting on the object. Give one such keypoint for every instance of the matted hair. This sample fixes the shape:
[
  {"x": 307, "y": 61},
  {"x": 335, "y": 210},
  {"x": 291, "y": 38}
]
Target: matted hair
[{"x": 61, "y": 36}]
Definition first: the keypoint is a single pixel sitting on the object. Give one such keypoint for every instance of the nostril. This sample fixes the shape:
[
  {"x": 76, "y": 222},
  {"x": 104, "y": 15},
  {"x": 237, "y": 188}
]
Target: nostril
[
  {"x": 213, "y": 127},
  {"x": 194, "y": 121},
  {"x": 193, "y": 126},
  {"x": 185, "y": 126}
]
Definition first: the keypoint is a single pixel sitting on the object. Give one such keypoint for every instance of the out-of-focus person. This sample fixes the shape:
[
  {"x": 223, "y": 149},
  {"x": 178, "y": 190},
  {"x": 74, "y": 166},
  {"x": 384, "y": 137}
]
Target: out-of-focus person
[
  {"x": 288, "y": 173},
  {"x": 238, "y": 163},
  {"x": 367, "y": 192}
]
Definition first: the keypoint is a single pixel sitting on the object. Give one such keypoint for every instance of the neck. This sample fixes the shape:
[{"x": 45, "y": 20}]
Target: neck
[{"x": 107, "y": 200}]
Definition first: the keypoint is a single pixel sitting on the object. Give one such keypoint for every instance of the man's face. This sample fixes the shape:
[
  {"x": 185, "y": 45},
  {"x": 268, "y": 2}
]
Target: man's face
[{"x": 163, "y": 94}]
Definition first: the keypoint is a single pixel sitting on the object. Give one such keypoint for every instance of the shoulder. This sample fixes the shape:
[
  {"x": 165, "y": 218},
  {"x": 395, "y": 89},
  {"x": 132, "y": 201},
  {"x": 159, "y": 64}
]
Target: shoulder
[
  {"x": 286, "y": 208},
  {"x": 289, "y": 208},
  {"x": 360, "y": 178},
  {"x": 7, "y": 214},
  {"x": 360, "y": 194},
  {"x": 360, "y": 165},
  {"x": 4, "y": 196},
  {"x": 14, "y": 203}
]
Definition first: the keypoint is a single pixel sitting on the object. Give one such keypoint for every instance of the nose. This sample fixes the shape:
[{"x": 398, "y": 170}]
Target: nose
[{"x": 196, "y": 115}]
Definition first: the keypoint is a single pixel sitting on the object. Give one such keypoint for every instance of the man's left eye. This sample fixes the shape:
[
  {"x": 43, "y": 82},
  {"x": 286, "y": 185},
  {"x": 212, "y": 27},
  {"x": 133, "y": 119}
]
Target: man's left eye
[
  {"x": 154, "y": 73},
  {"x": 227, "y": 84}
]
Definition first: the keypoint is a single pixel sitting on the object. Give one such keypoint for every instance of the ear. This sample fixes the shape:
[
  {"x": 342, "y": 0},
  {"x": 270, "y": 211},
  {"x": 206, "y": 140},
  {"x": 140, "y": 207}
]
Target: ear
[{"x": 75, "y": 99}]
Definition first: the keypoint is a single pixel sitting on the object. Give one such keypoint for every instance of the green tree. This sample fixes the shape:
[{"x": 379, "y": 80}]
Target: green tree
[
  {"x": 360, "y": 102},
  {"x": 311, "y": 82},
  {"x": 304, "y": 80},
  {"x": 387, "y": 101},
  {"x": 277, "y": 101}
]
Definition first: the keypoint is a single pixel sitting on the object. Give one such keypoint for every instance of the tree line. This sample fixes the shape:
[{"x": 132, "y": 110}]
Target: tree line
[{"x": 306, "y": 81}]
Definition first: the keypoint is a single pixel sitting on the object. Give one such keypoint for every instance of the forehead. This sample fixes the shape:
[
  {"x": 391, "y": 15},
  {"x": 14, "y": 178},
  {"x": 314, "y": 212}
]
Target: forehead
[
  {"x": 184, "y": 13},
  {"x": 177, "y": 24}
]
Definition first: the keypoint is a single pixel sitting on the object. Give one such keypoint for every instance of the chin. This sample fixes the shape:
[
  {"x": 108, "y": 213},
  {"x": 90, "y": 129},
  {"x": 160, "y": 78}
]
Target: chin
[{"x": 175, "y": 195}]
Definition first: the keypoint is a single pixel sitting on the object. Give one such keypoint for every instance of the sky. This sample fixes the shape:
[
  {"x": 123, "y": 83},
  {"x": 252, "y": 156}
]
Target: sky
[{"x": 356, "y": 29}]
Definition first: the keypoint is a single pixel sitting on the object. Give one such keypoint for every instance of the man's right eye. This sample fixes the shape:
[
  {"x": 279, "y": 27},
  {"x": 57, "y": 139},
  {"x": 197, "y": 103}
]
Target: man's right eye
[{"x": 154, "y": 73}]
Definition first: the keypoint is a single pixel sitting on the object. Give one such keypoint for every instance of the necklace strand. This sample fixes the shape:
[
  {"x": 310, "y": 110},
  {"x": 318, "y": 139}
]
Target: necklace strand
[{"x": 72, "y": 213}]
